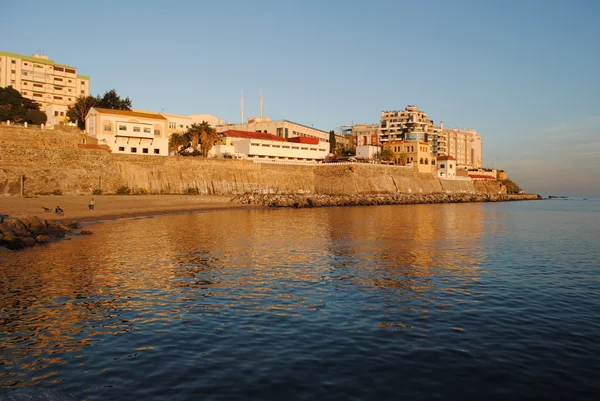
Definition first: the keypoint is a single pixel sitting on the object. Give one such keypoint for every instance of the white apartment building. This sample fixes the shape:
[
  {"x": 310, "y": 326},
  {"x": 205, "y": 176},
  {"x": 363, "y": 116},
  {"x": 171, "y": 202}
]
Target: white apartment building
[
  {"x": 54, "y": 86},
  {"x": 282, "y": 128},
  {"x": 129, "y": 132},
  {"x": 414, "y": 125},
  {"x": 260, "y": 145}
]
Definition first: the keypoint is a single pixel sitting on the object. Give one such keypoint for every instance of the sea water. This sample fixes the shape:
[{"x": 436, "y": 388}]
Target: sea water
[{"x": 454, "y": 301}]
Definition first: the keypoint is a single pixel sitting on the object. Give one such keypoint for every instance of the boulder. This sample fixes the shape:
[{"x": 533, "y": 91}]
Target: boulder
[{"x": 43, "y": 239}]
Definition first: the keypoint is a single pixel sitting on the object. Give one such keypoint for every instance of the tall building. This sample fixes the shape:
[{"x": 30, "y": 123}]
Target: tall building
[
  {"x": 54, "y": 86},
  {"x": 414, "y": 125}
]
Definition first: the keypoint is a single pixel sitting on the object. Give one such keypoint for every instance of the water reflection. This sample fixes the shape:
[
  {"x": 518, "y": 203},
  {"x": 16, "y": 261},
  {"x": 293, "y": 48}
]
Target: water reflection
[{"x": 134, "y": 287}]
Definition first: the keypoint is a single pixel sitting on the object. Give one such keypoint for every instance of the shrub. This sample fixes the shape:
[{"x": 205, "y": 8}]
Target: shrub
[
  {"x": 192, "y": 191},
  {"x": 57, "y": 192},
  {"x": 141, "y": 191},
  {"x": 96, "y": 191},
  {"x": 511, "y": 187},
  {"x": 123, "y": 190}
]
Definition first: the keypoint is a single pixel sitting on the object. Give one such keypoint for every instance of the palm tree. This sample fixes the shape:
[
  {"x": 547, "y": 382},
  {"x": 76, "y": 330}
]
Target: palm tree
[
  {"x": 208, "y": 137},
  {"x": 195, "y": 132},
  {"x": 177, "y": 142}
]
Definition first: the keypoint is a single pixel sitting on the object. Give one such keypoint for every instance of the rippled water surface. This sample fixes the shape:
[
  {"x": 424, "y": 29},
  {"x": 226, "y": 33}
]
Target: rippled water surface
[{"x": 473, "y": 301}]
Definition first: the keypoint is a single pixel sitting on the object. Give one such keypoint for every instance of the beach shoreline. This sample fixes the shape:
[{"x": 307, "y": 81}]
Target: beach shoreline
[{"x": 113, "y": 207}]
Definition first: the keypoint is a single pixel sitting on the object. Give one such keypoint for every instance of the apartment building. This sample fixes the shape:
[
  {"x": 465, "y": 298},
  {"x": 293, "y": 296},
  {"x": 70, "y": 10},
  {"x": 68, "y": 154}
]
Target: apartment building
[
  {"x": 261, "y": 145},
  {"x": 54, "y": 86},
  {"x": 282, "y": 128},
  {"x": 129, "y": 132},
  {"x": 366, "y": 134},
  {"x": 414, "y": 125}
]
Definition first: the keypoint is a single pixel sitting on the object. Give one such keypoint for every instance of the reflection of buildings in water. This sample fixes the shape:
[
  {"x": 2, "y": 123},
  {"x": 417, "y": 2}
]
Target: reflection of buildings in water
[{"x": 405, "y": 241}]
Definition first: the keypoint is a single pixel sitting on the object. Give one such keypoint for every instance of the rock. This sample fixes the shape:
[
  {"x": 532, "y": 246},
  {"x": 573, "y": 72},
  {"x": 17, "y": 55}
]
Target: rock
[
  {"x": 28, "y": 241},
  {"x": 43, "y": 239},
  {"x": 86, "y": 232}
]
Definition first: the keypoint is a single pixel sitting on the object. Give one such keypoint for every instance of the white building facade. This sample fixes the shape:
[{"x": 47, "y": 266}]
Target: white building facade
[
  {"x": 129, "y": 132},
  {"x": 257, "y": 145}
]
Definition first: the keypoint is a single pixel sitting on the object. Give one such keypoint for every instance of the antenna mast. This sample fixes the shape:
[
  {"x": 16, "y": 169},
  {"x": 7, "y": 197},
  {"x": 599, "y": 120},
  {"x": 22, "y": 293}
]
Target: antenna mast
[{"x": 242, "y": 110}]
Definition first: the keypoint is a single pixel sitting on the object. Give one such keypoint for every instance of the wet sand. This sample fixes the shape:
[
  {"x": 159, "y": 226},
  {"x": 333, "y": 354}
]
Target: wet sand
[{"x": 110, "y": 207}]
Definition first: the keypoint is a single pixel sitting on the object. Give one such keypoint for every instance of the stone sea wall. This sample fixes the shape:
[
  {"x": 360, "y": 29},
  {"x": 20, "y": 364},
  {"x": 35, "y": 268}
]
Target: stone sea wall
[
  {"x": 315, "y": 200},
  {"x": 51, "y": 162}
]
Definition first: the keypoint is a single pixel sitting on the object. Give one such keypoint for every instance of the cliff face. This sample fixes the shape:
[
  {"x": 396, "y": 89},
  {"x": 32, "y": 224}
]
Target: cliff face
[{"x": 51, "y": 161}]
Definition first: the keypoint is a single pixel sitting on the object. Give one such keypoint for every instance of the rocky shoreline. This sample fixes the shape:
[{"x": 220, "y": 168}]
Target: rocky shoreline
[
  {"x": 22, "y": 232},
  {"x": 314, "y": 200}
]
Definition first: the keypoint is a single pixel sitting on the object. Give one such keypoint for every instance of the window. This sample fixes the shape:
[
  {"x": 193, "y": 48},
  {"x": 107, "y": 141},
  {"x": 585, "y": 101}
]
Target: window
[
  {"x": 38, "y": 85},
  {"x": 136, "y": 129},
  {"x": 58, "y": 97},
  {"x": 122, "y": 128},
  {"x": 442, "y": 165},
  {"x": 58, "y": 69},
  {"x": 14, "y": 62},
  {"x": 147, "y": 130},
  {"x": 58, "y": 79},
  {"x": 145, "y": 150},
  {"x": 25, "y": 64},
  {"x": 156, "y": 151},
  {"x": 24, "y": 83},
  {"x": 62, "y": 113},
  {"x": 70, "y": 71},
  {"x": 56, "y": 114},
  {"x": 133, "y": 150},
  {"x": 37, "y": 94},
  {"x": 82, "y": 83},
  {"x": 450, "y": 166},
  {"x": 121, "y": 148},
  {"x": 172, "y": 125},
  {"x": 156, "y": 132},
  {"x": 107, "y": 127}
]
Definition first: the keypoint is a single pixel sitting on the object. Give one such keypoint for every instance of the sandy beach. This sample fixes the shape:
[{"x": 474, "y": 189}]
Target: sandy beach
[{"x": 109, "y": 207}]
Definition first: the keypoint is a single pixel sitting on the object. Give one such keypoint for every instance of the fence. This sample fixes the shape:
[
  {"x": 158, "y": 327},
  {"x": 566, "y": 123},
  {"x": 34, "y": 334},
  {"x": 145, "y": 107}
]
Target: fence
[{"x": 313, "y": 163}]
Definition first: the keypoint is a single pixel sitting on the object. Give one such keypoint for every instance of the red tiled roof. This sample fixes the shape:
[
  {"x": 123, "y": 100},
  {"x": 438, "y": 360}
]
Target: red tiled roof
[
  {"x": 481, "y": 177},
  {"x": 253, "y": 135},
  {"x": 445, "y": 158},
  {"x": 304, "y": 139}
]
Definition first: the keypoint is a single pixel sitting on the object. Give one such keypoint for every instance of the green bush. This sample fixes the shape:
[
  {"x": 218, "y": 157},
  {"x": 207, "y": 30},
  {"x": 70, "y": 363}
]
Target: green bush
[
  {"x": 123, "y": 190},
  {"x": 511, "y": 187}
]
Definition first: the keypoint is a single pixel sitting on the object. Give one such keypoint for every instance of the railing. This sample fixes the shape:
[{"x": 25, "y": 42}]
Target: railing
[{"x": 318, "y": 163}]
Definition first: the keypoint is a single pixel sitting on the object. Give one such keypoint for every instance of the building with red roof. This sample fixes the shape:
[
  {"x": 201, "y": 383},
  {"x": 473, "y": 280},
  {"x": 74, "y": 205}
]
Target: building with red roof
[{"x": 262, "y": 145}]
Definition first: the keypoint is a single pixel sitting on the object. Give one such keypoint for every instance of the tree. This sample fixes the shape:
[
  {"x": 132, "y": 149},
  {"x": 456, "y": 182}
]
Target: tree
[
  {"x": 194, "y": 133},
  {"x": 15, "y": 107},
  {"x": 178, "y": 143},
  {"x": 79, "y": 110},
  {"x": 387, "y": 154},
  {"x": 402, "y": 158},
  {"x": 37, "y": 117},
  {"x": 332, "y": 146},
  {"x": 111, "y": 100},
  {"x": 208, "y": 137}
]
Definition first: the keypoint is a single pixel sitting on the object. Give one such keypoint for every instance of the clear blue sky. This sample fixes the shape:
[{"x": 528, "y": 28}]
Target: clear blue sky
[{"x": 525, "y": 74}]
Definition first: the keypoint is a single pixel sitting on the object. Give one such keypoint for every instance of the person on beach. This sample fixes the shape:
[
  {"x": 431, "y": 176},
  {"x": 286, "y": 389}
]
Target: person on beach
[{"x": 91, "y": 204}]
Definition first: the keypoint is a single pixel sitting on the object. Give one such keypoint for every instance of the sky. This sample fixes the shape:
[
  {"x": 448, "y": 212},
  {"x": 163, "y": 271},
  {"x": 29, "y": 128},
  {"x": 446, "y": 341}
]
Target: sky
[{"x": 525, "y": 74}]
